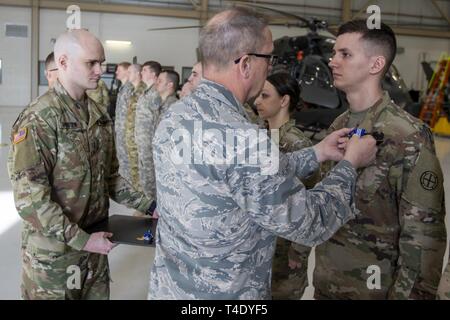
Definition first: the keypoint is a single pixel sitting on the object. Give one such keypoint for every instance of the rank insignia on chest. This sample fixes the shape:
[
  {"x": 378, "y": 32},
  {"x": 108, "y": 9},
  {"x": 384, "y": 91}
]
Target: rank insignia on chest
[{"x": 20, "y": 136}]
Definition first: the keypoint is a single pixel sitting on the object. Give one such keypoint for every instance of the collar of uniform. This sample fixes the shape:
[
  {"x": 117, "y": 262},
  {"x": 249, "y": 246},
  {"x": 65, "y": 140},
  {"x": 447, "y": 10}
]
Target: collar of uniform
[
  {"x": 286, "y": 127},
  {"x": 148, "y": 89},
  {"x": 92, "y": 108},
  {"x": 95, "y": 112},
  {"x": 140, "y": 88},
  {"x": 223, "y": 94},
  {"x": 370, "y": 118},
  {"x": 374, "y": 112}
]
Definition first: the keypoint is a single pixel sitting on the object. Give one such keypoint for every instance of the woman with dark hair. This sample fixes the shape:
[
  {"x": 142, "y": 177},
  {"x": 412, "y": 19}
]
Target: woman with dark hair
[{"x": 277, "y": 101}]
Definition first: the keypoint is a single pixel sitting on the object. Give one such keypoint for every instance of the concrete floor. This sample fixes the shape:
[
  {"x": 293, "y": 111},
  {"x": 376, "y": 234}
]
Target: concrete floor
[{"x": 130, "y": 265}]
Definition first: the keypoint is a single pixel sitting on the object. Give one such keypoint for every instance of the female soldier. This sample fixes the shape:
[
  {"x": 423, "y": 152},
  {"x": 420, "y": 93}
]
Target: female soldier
[{"x": 277, "y": 101}]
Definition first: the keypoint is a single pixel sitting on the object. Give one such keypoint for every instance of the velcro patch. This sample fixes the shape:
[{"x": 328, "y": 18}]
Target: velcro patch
[{"x": 20, "y": 136}]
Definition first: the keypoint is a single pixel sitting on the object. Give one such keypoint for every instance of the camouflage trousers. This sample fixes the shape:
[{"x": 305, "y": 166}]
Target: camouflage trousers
[
  {"x": 443, "y": 292},
  {"x": 288, "y": 283},
  {"x": 133, "y": 164},
  {"x": 76, "y": 275}
]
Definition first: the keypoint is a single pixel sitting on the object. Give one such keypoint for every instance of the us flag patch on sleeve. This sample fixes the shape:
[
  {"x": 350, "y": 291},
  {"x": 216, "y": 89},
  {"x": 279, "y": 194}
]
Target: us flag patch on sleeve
[{"x": 20, "y": 136}]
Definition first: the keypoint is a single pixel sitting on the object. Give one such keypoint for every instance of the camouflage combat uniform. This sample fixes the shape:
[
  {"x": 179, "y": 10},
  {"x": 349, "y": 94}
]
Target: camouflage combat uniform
[
  {"x": 219, "y": 222},
  {"x": 129, "y": 135},
  {"x": 147, "y": 118},
  {"x": 123, "y": 97},
  {"x": 290, "y": 283},
  {"x": 400, "y": 231},
  {"x": 444, "y": 284},
  {"x": 252, "y": 115},
  {"x": 63, "y": 169},
  {"x": 100, "y": 95}
]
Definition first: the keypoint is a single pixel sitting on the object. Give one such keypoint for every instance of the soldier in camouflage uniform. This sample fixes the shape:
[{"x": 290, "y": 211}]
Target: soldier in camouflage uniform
[
  {"x": 193, "y": 80},
  {"x": 167, "y": 85},
  {"x": 157, "y": 102},
  {"x": 147, "y": 105},
  {"x": 219, "y": 219},
  {"x": 100, "y": 95},
  {"x": 51, "y": 71},
  {"x": 444, "y": 284},
  {"x": 123, "y": 96},
  {"x": 276, "y": 102},
  {"x": 395, "y": 248},
  {"x": 134, "y": 76},
  {"x": 63, "y": 169}
]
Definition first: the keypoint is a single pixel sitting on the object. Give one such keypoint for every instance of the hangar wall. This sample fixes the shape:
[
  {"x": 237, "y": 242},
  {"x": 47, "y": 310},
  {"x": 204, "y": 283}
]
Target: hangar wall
[{"x": 171, "y": 48}]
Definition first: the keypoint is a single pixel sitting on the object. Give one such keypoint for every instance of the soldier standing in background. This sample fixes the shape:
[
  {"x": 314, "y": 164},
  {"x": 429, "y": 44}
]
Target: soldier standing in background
[
  {"x": 395, "y": 248},
  {"x": 123, "y": 96},
  {"x": 63, "y": 169},
  {"x": 51, "y": 70},
  {"x": 147, "y": 104},
  {"x": 134, "y": 76}
]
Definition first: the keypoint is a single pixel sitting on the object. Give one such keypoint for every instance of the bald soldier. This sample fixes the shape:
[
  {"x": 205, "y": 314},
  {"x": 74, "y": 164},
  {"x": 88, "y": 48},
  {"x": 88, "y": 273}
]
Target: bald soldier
[
  {"x": 148, "y": 104},
  {"x": 395, "y": 248},
  {"x": 220, "y": 215},
  {"x": 63, "y": 169},
  {"x": 135, "y": 77},
  {"x": 123, "y": 97}
]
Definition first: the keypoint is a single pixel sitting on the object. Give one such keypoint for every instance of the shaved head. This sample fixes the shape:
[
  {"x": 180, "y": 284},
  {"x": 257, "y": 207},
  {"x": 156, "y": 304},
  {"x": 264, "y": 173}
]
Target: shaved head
[
  {"x": 78, "y": 56},
  {"x": 72, "y": 42}
]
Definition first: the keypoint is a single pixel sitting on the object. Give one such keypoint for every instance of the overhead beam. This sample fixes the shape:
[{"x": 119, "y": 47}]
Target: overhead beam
[
  {"x": 346, "y": 10},
  {"x": 204, "y": 14},
  {"x": 443, "y": 14},
  {"x": 107, "y": 8}
]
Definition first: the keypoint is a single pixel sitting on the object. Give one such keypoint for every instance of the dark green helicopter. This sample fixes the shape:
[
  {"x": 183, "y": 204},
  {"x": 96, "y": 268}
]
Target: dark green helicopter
[{"x": 306, "y": 58}]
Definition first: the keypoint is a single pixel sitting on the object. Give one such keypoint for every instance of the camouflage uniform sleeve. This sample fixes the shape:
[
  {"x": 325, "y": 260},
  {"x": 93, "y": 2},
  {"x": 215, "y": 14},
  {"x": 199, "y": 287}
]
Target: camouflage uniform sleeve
[
  {"x": 30, "y": 164},
  {"x": 421, "y": 215},
  {"x": 281, "y": 204},
  {"x": 121, "y": 191},
  {"x": 144, "y": 132}
]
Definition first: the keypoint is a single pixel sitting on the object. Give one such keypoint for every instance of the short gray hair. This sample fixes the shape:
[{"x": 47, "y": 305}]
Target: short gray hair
[{"x": 231, "y": 34}]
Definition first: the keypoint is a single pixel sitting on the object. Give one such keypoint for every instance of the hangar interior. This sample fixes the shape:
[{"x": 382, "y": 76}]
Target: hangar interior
[{"x": 29, "y": 28}]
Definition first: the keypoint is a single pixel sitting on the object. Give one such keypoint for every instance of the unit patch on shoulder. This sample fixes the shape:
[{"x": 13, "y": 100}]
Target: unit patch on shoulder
[
  {"x": 20, "y": 135},
  {"x": 429, "y": 180}
]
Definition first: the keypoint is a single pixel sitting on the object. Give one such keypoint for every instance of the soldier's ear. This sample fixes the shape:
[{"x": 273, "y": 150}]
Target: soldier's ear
[
  {"x": 285, "y": 101},
  {"x": 62, "y": 62},
  {"x": 377, "y": 64},
  {"x": 244, "y": 66}
]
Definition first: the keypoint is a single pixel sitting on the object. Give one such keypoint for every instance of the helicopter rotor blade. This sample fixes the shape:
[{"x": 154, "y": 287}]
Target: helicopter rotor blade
[
  {"x": 286, "y": 14},
  {"x": 173, "y": 28}
]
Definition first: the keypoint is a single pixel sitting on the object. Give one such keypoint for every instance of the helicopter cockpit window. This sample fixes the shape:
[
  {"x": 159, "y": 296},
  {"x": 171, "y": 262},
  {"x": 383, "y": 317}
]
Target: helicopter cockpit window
[{"x": 316, "y": 82}]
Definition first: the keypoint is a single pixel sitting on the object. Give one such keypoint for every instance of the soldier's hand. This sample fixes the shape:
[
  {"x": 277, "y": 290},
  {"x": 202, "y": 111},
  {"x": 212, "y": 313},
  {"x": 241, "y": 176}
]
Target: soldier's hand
[
  {"x": 360, "y": 152},
  {"x": 98, "y": 243},
  {"x": 332, "y": 147}
]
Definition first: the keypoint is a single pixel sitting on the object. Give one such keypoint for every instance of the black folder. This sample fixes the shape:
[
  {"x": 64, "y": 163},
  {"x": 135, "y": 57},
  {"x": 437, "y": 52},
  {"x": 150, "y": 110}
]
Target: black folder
[{"x": 127, "y": 229}]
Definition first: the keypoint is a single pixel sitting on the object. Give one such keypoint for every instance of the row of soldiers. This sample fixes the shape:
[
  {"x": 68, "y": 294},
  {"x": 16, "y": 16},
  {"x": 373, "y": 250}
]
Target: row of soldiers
[{"x": 146, "y": 93}]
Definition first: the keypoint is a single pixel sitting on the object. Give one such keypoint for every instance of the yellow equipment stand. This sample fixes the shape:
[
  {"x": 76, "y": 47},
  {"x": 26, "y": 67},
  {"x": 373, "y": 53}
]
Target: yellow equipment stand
[{"x": 442, "y": 127}]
